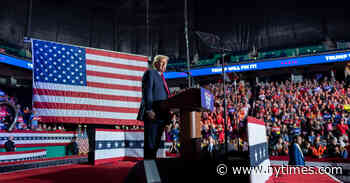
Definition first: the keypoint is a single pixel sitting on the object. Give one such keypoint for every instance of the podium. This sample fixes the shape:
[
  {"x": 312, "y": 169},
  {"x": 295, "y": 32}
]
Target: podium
[{"x": 191, "y": 103}]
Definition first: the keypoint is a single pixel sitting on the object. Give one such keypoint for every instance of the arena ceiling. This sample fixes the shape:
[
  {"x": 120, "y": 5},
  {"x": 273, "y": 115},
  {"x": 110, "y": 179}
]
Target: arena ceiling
[{"x": 121, "y": 25}]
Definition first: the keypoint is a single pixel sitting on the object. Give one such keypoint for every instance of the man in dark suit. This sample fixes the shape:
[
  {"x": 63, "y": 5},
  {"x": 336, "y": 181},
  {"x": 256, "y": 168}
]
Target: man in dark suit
[
  {"x": 73, "y": 147},
  {"x": 210, "y": 150},
  {"x": 154, "y": 88},
  {"x": 296, "y": 156},
  {"x": 10, "y": 145}
]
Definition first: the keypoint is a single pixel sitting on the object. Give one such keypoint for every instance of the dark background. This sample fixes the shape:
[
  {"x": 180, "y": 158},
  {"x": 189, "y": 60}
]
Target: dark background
[{"x": 120, "y": 25}]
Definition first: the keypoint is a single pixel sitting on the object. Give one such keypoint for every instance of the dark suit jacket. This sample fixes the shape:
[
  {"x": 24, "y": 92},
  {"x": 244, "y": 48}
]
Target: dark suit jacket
[
  {"x": 10, "y": 146},
  {"x": 296, "y": 156},
  {"x": 72, "y": 148},
  {"x": 153, "y": 90}
]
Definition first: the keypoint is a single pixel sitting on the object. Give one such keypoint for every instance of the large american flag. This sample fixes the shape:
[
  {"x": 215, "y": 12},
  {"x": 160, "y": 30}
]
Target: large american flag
[{"x": 73, "y": 84}]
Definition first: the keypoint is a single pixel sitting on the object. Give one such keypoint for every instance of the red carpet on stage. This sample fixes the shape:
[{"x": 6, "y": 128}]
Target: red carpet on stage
[
  {"x": 304, "y": 179},
  {"x": 312, "y": 178},
  {"x": 106, "y": 173},
  {"x": 116, "y": 173}
]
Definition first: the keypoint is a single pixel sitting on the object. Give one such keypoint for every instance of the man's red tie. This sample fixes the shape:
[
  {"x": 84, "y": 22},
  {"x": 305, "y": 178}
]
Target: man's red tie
[{"x": 166, "y": 86}]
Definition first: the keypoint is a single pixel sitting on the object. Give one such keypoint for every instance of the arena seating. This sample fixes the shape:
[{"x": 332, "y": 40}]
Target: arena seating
[
  {"x": 282, "y": 124},
  {"x": 178, "y": 64},
  {"x": 14, "y": 51}
]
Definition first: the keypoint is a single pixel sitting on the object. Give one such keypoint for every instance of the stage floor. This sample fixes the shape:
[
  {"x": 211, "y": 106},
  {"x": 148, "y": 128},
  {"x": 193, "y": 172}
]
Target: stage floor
[{"x": 113, "y": 172}]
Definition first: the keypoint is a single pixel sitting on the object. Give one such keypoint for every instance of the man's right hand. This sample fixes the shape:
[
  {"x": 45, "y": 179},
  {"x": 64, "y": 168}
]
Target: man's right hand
[{"x": 150, "y": 115}]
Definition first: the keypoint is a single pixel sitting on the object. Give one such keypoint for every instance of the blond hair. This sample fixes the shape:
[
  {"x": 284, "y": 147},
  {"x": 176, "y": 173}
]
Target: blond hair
[{"x": 157, "y": 59}]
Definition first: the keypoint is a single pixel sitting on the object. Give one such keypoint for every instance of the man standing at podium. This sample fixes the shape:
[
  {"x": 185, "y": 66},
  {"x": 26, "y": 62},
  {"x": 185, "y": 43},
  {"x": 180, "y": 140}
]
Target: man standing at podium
[{"x": 154, "y": 88}]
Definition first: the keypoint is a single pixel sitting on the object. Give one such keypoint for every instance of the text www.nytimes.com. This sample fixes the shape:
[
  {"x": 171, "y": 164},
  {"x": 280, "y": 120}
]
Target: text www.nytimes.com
[{"x": 222, "y": 170}]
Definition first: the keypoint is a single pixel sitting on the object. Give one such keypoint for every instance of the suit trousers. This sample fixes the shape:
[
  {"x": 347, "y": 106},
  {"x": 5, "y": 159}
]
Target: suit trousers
[{"x": 153, "y": 131}]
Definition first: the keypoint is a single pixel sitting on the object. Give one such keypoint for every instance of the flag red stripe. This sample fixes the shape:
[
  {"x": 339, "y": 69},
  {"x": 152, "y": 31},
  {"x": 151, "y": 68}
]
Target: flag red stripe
[
  {"x": 86, "y": 107},
  {"x": 116, "y": 55},
  {"x": 113, "y": 86},
  {"x": 25, "y": 131},
  {"x": 115, "y": 65},
  {"x": 114, "y": 76},
  {"x": 85, "y": 120},
  {"x": 255, "y": 121},
  {"x": 117, "y": 130},
  {"x": 84, "y": 95}
]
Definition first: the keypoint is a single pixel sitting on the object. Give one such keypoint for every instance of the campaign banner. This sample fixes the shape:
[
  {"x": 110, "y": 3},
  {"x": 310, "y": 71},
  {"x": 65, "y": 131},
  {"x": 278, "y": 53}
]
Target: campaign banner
[
  {"x": 207, "y": 99},
  {"x": 266, "y": 64},
  {"x": 113, "y": 145},
  {"x": 258, "y": 150}
]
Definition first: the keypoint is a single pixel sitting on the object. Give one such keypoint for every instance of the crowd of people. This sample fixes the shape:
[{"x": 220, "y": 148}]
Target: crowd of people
[
  {"x": 26, "y": 118},
  {"x": 213, "y": 134},
  {"x": 312, "y": 109},
  {"x": 238, "y": 96}
]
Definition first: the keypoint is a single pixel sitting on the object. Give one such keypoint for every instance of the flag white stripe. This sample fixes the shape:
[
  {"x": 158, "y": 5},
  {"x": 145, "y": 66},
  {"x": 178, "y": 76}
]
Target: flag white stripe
[
  {"x": 133, "y": 152},
  {"x": 87, "y": 114},
  {"x": 116, "y": 60},
  {"x": 134, "y": 136},
  {"x": 113, "y": 70},
  {"x": 113, "y": 81},
  {"x": 107, "y": 135},
  {"x": 37, "y": 135},
  {"x": 41, "y": 141},
  {"x": 109, "y": 153},
  {"x": 86, "y": 89},
  {"x": 252, "y": 133},
  {"x": 88, "y": 101}
]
